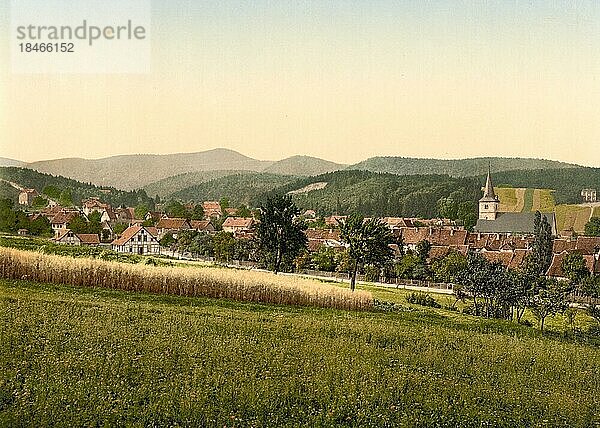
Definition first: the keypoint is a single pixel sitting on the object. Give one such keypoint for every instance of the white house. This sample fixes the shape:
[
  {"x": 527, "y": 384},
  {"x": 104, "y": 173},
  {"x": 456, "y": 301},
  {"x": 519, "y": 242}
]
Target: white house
[{"x": 137, "y": 240}]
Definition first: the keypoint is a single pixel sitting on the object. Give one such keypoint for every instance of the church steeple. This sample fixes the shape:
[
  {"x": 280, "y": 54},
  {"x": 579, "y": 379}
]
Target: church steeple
[
  {"x": 489, "y": 187},
  {"x": 489, "y": 204}
]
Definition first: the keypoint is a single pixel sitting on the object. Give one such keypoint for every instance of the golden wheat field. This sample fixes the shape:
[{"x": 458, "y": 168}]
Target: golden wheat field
[{"x": 239, "y": 285}]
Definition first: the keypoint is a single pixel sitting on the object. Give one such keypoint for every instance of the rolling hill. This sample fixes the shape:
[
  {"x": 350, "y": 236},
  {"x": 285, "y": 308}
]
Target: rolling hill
[
  {"x": 36, "y": 180},
  {"x": 10, "y": 162},
  {"x": 303, "y": 166},
  {"x": 371, "y": 193},
  {"x": 454, "y": 167},
  {"x": 135, "y": 171},
  {"x": 170, "y": 185},
  {"x": 245, "y": 188}
]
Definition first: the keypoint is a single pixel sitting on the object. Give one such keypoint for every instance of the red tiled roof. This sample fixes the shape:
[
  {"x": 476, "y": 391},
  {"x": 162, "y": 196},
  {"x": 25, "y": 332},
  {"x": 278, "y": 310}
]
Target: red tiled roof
[
  {"x": 314, "y": 245},
  {"x": 415, "y": 235},
  {"x": 555, "y": 269},
  {"x": 588, "y": 244},
  {"x": 211, "y": 208},
  {"x": 323, "y": 234},
  {"x": 239, "y": 222},
  {"x": 438, "y": 252},
  {"x": 131, "y": 231},
  {"x": 62, "y": 234},
  {"x": 518, "y": 259},
  {"x": 503, "y": 257},
  {"x": 89, "y": 238},
  {"x": 201, "y": 225},
  {"x": 64, "y": 217},
  {"x": 560, "y": 245}
]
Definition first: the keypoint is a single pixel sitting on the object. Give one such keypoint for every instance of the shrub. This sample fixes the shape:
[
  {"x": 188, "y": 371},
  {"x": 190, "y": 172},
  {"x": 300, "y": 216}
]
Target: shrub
[{"x": 423, "y": 300}]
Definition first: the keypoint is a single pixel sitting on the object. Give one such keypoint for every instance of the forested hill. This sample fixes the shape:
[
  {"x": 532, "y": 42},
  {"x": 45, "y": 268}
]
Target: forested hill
[
  {"x": 56, "y": 184},
  {"x": 454, "y": 167},
  {"x": 378, "y": 194},
  {"x": 245, "y": 188},
  {"x": 171, "y": 185},
  {"x": 567, "y": 182}
]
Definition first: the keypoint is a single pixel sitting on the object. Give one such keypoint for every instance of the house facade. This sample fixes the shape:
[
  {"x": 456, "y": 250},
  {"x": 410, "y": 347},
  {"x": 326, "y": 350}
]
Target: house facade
[
  {"x": 137, "y": 240},
  {"x": 172, "y": 225},
  {"x": 68, "y": 237},
  {"x": 27, "y": 196},
  {"x": 589, "y": 195},
  {"x": 238, "y": 224}
]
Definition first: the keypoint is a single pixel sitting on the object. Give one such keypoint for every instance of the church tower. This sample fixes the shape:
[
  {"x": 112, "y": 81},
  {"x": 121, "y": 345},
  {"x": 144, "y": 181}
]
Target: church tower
[{"x": 488, "y": 205}]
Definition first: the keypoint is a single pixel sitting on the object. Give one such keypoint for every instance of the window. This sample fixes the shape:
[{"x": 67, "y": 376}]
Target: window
[{"x": 486, "y": 206}]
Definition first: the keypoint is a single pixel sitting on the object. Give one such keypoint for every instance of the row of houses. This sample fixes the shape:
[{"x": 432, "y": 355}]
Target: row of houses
[{"x": 509, "y": 250}]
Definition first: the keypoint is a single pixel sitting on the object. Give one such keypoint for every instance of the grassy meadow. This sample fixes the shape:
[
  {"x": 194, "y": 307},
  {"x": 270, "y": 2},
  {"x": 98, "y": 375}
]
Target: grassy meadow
[
  {"x": 97, "y": 357},
  {"x": 525, "y": 199},
  {"x": 572, "y": 217}
]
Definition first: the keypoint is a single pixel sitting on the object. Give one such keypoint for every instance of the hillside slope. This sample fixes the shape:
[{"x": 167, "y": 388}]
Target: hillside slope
[
  {"x": 36, "y": 180},
  {"x": 453, "y": 167},
  {"x": 245, "y": 188},
  {"x": 303, "y": 165},
  {"x": 567, "y": 182},
  {"x": 10, "y": 162},
  {"x": 369, "y": 193},
  {"x": 170, "y": 185},
  {"x": 135, "y": 171}
]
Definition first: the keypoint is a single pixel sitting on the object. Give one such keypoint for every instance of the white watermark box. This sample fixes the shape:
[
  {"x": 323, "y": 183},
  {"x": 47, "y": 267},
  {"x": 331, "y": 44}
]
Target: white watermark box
[{"x": 80, "y": 36}]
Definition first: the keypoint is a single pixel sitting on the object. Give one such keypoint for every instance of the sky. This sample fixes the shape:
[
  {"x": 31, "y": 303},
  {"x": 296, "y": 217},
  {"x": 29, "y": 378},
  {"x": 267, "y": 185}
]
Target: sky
[{"x": 341, "y": 80}]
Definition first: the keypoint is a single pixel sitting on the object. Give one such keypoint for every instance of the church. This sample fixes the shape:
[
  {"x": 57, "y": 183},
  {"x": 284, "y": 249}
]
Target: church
[{"x": 492, "y": 220}]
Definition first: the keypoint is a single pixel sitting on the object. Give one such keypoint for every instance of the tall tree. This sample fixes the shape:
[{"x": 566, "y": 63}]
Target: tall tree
[
  {"x": 280, "y": 233},
  {"x": 368, "y": 243},
  {"x": 198, "y": 213},
  {"x": 541, "y": 256},
  {"x": 592, "y": 228}
]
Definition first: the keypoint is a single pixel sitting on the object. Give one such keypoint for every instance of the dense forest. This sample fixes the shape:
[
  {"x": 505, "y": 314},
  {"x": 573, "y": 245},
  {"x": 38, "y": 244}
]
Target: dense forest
[
  {"x": 454, "y": 167},
  {"x": 245, "y": 188},
  {"x": 76, "y": 190},
  {"x": 370, "y": 193},
  {"x": 567, "y": 182},
  {"x": 170, "y": 185}
]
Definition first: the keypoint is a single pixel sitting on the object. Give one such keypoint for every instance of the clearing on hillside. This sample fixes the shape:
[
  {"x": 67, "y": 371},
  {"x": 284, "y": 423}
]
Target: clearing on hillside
[
  {"x": 572, "y": 217},
  {"x": 519, "y": 199},
  {"x": 543, "y": 200}
]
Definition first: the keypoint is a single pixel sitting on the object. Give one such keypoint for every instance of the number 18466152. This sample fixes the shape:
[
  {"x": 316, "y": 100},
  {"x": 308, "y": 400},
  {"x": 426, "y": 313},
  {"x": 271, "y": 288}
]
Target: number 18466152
[{"x": 47, "y": 47}]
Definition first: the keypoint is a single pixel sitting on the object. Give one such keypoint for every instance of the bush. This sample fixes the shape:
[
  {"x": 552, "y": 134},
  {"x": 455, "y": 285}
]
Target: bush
[{"x": 423, "y": 300}]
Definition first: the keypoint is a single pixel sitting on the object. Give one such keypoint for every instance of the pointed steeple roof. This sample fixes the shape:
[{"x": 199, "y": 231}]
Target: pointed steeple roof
[{"x": 488, "y": 190}]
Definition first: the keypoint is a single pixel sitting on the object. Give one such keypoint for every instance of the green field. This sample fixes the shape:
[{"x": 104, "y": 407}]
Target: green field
[
  {"x": 525, "y": 199},
  {"x": 94, "y": 357},
  {"x": 543, "y": 201},
  {"x": 572, "y": 217}
]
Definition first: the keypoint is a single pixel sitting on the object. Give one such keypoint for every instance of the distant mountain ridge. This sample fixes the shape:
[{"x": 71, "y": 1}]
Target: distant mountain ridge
[
  {"x": 135, "y": 171},
  {"x": 454, "y": 167},
  {"x": 303, "y": 166},
  {"x": 10, "y": 162},
  {"x": 168, "y": 174}
]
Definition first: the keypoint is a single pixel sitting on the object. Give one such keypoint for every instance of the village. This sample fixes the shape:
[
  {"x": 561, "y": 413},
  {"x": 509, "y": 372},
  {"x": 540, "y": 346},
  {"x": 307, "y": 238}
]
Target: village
[{"x": 504, "y": 237}]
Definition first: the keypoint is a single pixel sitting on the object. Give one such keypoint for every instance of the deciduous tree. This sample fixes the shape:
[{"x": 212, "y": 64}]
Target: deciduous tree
[
  {"x": 368, "y": 243},
  {"x": 280, "y": 233}
]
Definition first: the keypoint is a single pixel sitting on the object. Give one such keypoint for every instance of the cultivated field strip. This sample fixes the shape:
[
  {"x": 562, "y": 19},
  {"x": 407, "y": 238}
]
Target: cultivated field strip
[{"x": 238, "y": 285}]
